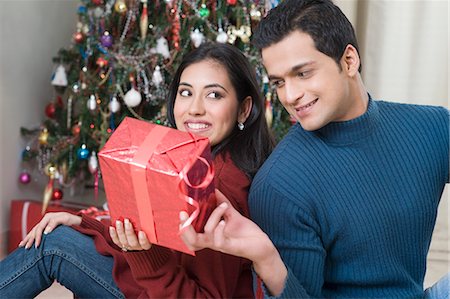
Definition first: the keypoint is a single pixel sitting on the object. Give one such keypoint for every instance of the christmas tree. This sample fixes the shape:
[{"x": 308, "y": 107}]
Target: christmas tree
[{"x": 120, "y": 64}]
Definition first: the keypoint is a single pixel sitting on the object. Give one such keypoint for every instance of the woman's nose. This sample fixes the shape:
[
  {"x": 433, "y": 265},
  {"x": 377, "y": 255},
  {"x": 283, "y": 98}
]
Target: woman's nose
[{"x": 197, "y": 106}]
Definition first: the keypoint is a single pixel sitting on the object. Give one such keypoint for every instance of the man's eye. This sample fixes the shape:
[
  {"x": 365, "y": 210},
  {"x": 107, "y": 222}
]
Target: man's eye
[
  {"x": 184, "y": 93},
  {"x": 303, "y": 74}
]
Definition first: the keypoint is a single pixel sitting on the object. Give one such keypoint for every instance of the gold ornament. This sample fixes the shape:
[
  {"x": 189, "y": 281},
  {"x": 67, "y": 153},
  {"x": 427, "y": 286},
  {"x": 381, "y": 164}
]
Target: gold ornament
[
  {"x": 50, "y": 170},
  {"x": 43, "y": 137},
  {"x": 120, "y": 6}
]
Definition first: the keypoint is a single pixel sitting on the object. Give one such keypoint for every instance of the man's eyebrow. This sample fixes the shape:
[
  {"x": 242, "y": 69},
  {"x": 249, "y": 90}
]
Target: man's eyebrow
[{"x": 293, "y": 69}]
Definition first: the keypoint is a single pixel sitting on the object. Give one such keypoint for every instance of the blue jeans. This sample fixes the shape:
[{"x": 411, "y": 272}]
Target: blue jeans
[
  {"x": 65, "y": 255},
  {"x": 440, "y": 290}
]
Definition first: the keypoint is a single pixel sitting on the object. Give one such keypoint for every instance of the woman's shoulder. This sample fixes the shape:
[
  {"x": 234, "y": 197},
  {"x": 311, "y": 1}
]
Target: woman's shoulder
[{"x": 231, "y": 181}]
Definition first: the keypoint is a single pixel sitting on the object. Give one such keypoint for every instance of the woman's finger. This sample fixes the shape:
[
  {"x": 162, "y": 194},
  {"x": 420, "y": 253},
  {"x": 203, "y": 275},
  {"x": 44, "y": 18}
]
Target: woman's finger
[
  {"x": 121, "y": 234},
  {"x": 143, "y": 241},
  {"x": 130, "y": 235},
  {"x": 114, "y": 237}
]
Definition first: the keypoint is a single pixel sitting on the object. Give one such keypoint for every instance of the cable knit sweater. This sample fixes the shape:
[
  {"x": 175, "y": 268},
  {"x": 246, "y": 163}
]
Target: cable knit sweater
[
  {"x": 351, "y": 207},
  {"x": 164, "y": 273}
]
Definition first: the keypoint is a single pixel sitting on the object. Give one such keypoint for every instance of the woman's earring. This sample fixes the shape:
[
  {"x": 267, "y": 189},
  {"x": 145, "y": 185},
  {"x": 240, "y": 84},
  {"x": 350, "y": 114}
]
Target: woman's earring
[{"x": 240, "y": 126}]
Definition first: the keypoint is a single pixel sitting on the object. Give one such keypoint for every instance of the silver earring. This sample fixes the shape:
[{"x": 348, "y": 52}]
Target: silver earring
[{"x": 240, "y": 126}]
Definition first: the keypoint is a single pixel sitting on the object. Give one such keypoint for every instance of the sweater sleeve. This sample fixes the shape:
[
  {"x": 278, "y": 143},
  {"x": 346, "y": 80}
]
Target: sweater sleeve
[
  {"x": 295, "y": 234},
  {"x": 162, "y": 272}
]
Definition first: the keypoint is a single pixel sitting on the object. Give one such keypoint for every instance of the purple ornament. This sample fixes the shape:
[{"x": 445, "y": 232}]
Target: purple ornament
[
  {"x": 24, "y": 178},
  {"x": 106, "y": 40}
]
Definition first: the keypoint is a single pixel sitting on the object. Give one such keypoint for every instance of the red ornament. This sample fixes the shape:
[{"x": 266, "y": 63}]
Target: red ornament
[
  {"x": 76, "y": 130},
  {"x": 50, "y": 110},
  {"x": 101, "y": 62},
  {"x": 57, "y": 194},
  {"x": 97, "y": 2},
  {"x": 231, "y": 2},
  {"x": 78, "y": 37}
]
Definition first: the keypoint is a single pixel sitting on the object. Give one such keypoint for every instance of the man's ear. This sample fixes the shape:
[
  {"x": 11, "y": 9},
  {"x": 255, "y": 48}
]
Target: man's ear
[
  {"x": 244, "y": 109},
  {"x": 350, "y": 61}
]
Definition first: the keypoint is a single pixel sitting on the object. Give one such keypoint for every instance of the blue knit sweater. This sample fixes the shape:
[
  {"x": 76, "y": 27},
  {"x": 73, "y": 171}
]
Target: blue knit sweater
[{"x": 352, "y": 207}]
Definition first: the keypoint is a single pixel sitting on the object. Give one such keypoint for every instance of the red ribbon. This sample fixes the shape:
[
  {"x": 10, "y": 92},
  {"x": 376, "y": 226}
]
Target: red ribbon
[{"x": 184, "y": 179}]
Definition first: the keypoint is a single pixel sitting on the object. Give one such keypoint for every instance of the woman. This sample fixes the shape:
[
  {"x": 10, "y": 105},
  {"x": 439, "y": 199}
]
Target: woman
[{"x": 215, "y": 94}]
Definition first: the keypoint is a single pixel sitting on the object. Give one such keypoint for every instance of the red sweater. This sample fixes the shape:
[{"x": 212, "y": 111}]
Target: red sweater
[{"x": 164, "y": 273}]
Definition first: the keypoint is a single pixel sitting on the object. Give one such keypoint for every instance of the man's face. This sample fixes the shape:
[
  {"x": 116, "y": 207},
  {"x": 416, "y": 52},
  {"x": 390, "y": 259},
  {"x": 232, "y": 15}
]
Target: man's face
[{"x": 309, "y": 84}]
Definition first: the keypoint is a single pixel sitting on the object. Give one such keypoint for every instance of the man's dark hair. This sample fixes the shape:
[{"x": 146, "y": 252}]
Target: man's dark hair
[{"x": 327, "y": 25}]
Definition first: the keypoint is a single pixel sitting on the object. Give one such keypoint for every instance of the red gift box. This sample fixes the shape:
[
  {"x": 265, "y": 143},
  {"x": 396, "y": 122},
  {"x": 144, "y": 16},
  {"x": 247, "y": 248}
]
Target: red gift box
[
  {"x": 25, "y": 214},
  {"x": 151, "y": 173}
]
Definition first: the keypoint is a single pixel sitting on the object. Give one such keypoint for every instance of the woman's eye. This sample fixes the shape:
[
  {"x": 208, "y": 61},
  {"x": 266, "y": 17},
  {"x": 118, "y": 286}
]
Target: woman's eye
[
  {"x": 277, "y": 83},
  {"x": 184, "y": 93},
  {"x": 214, "y": 95}
]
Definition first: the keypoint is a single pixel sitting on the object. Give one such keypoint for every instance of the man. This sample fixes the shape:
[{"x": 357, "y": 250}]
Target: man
[{"x": 349, "y": 197}]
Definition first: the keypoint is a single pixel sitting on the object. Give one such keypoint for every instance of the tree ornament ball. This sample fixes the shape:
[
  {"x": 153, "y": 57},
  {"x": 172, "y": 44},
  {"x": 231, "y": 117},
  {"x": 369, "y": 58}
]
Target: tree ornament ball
[
  {"x": 106, "y": 40},
  {"x": 24, "y": 178},
  {"x": 231, "y": 2},
  {"x": 57, "y": 194},
  {"x": 120, "y": 6},
  {"x": 102, "y": 62},
  {"x": 97, "y": 2},
  {"x": 78, "y": 37},
  {"x": 76, "y": 130},
  {"x": 50, "y": 110},
  {"x": 83, "y": 152},
  {"x": 203, "y": 11},
  {"x": 50, "y": 170},
  {"x": 132, "y": 98}
]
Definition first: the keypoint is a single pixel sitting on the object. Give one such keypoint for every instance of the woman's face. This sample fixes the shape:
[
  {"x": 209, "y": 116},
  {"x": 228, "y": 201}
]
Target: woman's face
[{"x": 206, "y": 102}]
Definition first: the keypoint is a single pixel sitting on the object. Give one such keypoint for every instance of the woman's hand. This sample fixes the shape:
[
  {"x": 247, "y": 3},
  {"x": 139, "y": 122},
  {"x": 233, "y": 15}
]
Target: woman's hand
[
  {"x": 123, "y": 235},
  {"x": 48, "y": 223},
  {"x": 229, "y": 232}
]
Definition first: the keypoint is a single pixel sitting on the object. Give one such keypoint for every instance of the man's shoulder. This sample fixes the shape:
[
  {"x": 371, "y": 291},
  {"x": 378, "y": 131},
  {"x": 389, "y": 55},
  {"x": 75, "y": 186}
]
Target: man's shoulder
[{"x": 408, "y": 108}]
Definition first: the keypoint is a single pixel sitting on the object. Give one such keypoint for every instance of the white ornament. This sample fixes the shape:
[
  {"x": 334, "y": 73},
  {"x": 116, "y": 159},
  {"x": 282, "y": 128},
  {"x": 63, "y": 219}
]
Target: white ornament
[
  {"x": 222, "y": 36},
  {"x": 162, "y": 47},
  {"x": 92, "y": 103},
  {"x": 197, "y": 38},
  {"x": 157, "y": 78},
  {"x": 114, "y": 105},
  {"x": 132, "y": 98},
  {"x": 98, "y": 12},
  {"x": 93, "y": 162},
  {"x": 60, "y": 78}
]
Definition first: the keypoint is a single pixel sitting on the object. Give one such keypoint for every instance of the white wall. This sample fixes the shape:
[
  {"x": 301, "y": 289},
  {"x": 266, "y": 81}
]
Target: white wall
[{"x": 31, "y": 33}]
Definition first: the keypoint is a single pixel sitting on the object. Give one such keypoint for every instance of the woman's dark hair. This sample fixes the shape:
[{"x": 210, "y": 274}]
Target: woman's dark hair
[
  {"x": 250, "y": 147},
  {"x": 327, "y": 25}
]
